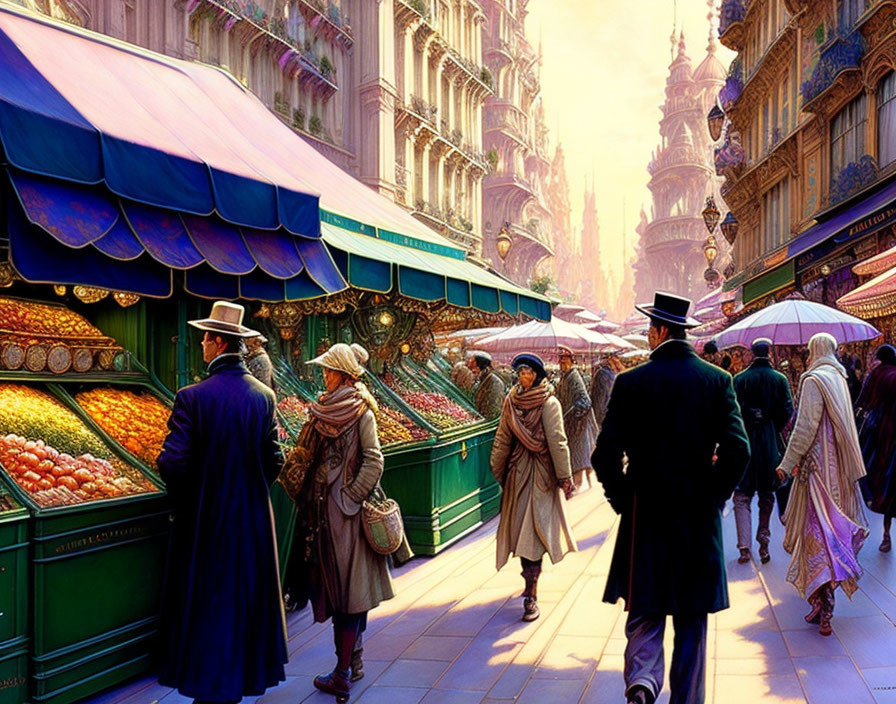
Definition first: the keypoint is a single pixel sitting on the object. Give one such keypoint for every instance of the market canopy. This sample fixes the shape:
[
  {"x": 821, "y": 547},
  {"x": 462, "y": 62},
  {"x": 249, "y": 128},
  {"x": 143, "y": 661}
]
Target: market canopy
[
  {"x": 877, "y": 264},
  {"x": 874, "y": 299},
  {"x": 794, "y": 322},
  {"x": 545, "y": 338},
  {"x": 125, "y": 165}
]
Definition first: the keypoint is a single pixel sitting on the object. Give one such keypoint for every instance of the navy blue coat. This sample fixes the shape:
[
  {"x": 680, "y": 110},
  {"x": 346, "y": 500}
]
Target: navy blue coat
[
  {"x": 669, "y": 416},
  {"x": 223, "y": 629},
  {"x": 766, "y": 405}
]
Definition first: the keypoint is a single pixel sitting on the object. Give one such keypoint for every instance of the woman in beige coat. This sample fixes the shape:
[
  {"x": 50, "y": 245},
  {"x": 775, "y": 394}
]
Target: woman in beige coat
[
  {"x": 347, "y": 578},
  {"x": 530, "y": 459}
]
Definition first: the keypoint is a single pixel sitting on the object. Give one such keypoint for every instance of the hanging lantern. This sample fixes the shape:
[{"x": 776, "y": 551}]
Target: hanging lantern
[
  {"x": 711, "y": 276},
  {"x": 125, "y": 299},
  {"x": 7, "y": 275},
  {"x": 710, "y": 214},
  {"x": 710, "y": 250},
  {"x": 503, "y": 242},
  {"x": 88, "y": 294},
  {"x": 386, "y": 319},
  {"x": 405, "y": 348},
  {"x": 729, "y": 227},
  {"x": 715, "y": 120}
]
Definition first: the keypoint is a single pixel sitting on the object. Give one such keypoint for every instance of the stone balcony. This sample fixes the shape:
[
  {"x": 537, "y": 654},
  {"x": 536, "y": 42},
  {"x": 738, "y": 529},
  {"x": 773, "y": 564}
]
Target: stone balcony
[
  {"x": 731, "y": 23},
  {"x": 842, "y": 55}
]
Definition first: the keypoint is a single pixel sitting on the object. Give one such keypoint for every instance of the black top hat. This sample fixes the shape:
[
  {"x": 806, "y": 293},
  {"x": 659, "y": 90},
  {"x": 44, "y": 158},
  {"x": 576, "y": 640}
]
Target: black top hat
[{"x": 669, "y": 309}]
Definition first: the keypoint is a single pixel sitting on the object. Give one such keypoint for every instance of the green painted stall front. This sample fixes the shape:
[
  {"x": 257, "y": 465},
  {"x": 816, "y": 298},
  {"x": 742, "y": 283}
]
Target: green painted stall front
[
  {"x": 14, "y": 590},
  {"x": 445, "y": 488}
]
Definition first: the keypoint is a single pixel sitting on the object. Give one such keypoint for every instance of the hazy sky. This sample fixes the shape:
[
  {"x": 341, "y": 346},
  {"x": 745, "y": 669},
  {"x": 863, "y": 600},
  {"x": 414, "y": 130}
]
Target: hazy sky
[{"x": 603, "y": 76}]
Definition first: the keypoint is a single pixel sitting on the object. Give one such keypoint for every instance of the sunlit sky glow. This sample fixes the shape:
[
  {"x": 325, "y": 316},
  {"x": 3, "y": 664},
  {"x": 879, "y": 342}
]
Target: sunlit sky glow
[{"x": 603, "y": 75}]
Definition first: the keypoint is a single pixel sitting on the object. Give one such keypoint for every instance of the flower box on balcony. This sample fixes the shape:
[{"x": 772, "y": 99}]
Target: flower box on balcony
[{"x": 843, "y": 53}]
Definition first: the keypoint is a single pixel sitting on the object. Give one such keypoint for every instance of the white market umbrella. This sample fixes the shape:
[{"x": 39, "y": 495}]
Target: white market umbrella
[
  {"x": 637, "y": 339},
  {"x": 536, "y": 336},
  {"x": 586, "y": 316},
  {"x": 794, "y": 322}
]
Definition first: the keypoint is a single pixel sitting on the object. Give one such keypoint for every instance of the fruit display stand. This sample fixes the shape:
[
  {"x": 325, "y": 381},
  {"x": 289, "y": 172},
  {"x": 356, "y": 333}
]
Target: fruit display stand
[
  {"x": 445, "y": 489},
  {"x": 99, "y": 535},
  {"x": 14, "y": 588}
]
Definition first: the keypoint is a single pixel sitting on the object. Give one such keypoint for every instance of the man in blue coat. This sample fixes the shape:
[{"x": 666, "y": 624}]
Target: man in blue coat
[
  {"x": 766, "y": 405},
  {"x": 676, "y": 420},
  {"x": 223, "y": 628}
]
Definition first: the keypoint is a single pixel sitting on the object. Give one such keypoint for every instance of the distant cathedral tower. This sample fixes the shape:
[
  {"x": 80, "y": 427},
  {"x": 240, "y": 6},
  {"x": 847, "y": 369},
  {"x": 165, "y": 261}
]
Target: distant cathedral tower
[
  {"x": 681, "y": 176},
  {"x": 593, "y": 291}
]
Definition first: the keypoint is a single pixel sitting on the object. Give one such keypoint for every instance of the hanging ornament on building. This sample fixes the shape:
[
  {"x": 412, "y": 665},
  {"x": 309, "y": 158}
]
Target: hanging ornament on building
[
  {"x": 710, "y": 214},
  {"x": 711, "y": 276},
  {"x": 715, "y": 120},
  {"x": 729, "y": 227},
  {"x": 125, "y": 299},
  {"x": 88, "y": 294}
]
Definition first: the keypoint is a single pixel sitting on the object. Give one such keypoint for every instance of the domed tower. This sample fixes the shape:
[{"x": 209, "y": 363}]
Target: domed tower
[{"x": 681, "y": 176}]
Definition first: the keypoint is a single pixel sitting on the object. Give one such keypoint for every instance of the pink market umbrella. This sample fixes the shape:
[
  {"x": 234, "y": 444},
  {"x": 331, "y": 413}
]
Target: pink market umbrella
[
  {"x": 794, "y": 322},
  {"x": 566, "y": 311},
  {"x": 586, "y": 316},
  {"x": 539, "y": 337}
]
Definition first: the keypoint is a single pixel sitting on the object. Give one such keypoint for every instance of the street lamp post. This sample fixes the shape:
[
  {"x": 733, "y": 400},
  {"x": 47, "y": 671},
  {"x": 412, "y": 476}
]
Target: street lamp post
[
  {"x": 710, "y": 247},
  {"x": 503, "y": 241}
]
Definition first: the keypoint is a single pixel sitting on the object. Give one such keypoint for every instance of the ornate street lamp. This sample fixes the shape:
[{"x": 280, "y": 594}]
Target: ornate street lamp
[
  {"x": 503, "y": 242},
  {"x": 711, "y": 276},
  {"x": 729, "y": 227},
  {"x": 710, "y": 214},
  {"x": 715, "y": 120},
  {"x": 710, "y": 250}
]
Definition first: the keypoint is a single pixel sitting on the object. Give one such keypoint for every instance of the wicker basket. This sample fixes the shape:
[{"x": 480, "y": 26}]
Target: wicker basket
[
  {"x": 12, "y": 355},
  {"x": 36, "y": 358},
  {"x": 381, "y": 518},
  {"x": 82, "y": 359},
  {"x": 59, "y": 359}
]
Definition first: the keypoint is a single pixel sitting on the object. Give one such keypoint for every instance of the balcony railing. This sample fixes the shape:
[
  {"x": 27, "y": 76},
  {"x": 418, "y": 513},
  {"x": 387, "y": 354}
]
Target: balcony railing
[
  {"x": 426, "y": 110},
  {"x": 732, "y": 12},
  {"x": 844, "y": 53},
  {"x": 853, "y": 178},
  {"x": 734, "y": 85}
]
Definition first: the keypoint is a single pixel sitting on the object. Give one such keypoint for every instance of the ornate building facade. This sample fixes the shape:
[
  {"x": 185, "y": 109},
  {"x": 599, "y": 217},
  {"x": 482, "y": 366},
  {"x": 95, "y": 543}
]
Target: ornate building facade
[
  {"x": 516, "y": 143},
  {"x": 567, "y": 269},
  {"x": 681, "y": 177},
  {"x": 812, "y": 109},
  {"x": 391, "y": 91}
]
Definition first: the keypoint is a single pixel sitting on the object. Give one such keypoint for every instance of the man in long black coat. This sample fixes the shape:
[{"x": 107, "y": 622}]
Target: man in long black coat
[
  {"x": 766, "y": 405},
  {"x": 677, "y": 421},
  {"x": 223, "y": 627}
]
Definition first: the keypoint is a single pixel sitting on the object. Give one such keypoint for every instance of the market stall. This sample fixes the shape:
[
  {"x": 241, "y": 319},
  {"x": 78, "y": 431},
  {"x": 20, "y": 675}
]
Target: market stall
[
  {"x": 14, "y": 584},
  {"x": 78, "y": 450}
]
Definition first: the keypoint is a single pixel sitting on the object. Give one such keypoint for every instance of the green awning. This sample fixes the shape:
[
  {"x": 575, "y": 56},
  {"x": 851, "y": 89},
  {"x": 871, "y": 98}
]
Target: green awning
[
  {"x": 768, "y": 283},
  {"x": 425, "y": 272}
]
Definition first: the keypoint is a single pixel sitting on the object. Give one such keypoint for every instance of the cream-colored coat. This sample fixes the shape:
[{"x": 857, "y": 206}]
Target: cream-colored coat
[{"x": 533, "y": 507}]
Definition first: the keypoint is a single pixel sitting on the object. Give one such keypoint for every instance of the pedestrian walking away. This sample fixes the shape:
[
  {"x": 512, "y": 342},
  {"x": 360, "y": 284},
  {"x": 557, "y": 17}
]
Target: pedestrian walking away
[
  {"x": 223, "y": 632},
  {"x": 258, "y": 362},
  {"x": 825, "y": 520},
  {"x": 602, "y": 384},
  {"x": 766, "y": 406},
  {"x": 530, "y": 459},
  {"x": 345, "y": 578},
  {"x": 488, "y": 389},
  {"x": 876, "y": 413},
  {"x": 669, "y": 417},
  {"x": 578, "y": 418}
]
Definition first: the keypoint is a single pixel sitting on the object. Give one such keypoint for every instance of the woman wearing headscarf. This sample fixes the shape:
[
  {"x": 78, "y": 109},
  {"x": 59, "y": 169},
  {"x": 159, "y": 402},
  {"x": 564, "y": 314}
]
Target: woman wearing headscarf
[
  {"x": 346, "y": 577},
  {"x": 877, "y": 435},
  {"x": 530, "y": 459},
  {"x": 825, "y": 521}
]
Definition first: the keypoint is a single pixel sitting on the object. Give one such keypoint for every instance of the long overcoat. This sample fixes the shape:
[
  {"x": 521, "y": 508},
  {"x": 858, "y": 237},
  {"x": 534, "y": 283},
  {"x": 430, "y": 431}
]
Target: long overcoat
[
  {"x": 669, "y": 416},
  {"x": 766, "y": 405},
  {"x": 533, "y": 507},
  {"x": 578, "y": 419},
  {"x": 223, "y": 628}
]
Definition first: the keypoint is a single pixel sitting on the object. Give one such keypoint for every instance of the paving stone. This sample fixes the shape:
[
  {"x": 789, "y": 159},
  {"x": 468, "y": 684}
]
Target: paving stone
[
  {"x": 452, "y": 696},
  {"x": 832, "y": 680},
  {"x": 540, "y": 691},
  {"x": 870, "y": 641},
  {"x": 392, "y": 695},
  {"x": 570, "y": 658},
  {"x": 412, "y": 673},
  {"x": 436, "y": 648},
  {"x": 807, "y": 642},
  {"x": 748, "y": 689},
  {"x": 882, "y": 682}
]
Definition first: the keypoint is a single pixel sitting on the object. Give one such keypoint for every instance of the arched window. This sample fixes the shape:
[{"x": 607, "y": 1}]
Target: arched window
[{"x": 886, "y": 120}]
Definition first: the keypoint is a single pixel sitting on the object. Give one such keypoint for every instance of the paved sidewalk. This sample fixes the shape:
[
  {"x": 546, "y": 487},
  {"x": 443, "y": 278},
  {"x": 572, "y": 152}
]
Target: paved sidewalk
[{"x": 453, "y": 634}]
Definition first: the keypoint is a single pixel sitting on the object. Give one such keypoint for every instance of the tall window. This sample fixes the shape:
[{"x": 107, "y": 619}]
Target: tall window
[
  {"x": 776, "y": 215},
  {"x": 848, "y": 135},
  {"x": 848, "y": 11},
  {"x": 886, "y": 120}
]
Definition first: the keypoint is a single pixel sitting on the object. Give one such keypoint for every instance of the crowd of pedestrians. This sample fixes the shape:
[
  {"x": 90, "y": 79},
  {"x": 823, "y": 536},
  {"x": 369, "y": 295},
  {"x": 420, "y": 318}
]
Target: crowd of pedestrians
[{"x": 670, "y": 440}]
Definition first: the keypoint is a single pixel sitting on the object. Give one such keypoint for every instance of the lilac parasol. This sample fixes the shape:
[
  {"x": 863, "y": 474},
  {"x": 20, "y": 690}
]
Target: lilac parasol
[{"x": 793, "y": 322}]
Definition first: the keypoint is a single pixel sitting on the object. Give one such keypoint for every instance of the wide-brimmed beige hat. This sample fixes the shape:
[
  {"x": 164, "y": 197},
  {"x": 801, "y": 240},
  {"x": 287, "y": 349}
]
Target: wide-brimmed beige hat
[
  {"x": 226, "y": 318},
  {"x": 344, "y": 358}
]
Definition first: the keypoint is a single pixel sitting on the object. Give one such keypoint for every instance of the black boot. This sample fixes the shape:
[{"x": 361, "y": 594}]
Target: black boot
[
  {"x": 531, "y": 572},
  {"x": 357, "y": 662}
]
